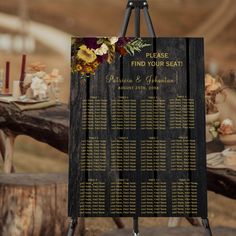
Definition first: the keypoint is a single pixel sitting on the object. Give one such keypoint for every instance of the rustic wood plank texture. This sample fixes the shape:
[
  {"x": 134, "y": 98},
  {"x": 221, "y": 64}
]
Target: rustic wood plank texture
[{"x": 142, "y": 106}]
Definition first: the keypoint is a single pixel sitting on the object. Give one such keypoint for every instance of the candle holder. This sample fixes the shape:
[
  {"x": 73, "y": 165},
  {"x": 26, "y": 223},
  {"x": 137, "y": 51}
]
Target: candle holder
[{"x": 56, "y": 91}]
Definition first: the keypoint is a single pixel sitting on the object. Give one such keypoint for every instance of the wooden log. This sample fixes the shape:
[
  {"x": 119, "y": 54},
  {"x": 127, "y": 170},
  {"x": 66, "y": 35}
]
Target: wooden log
[
  {"x": 222, "y": 182},
  {"x": 33, "y": 204},
  {"x": 179, "y": 231},
  {"x": 36, "y": 204},
  {"x": 48, "y": 125}
]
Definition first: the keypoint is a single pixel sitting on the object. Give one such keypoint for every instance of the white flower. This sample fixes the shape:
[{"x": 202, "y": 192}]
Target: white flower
[
  {"x": 102, "y": 50},
  {"x": 30, "y": 76},
  {"x": 113, "y": 40},
  {"x": 39, "y": 87},
  {"x": 40, "y": 74},
  {"x": 54, "y": 76},
  {"x": 227, "y": 122},
  {"x": 28, "y": 79}
]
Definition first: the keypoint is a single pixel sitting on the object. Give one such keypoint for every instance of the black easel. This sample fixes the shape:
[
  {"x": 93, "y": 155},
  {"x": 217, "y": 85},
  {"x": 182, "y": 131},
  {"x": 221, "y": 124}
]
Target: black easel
[
  {"x": 139, "y": 5},
  {"x": 136, "y": 5},
  {"x": 205, "y": 223},
  {"x": 72, "y": 227}
]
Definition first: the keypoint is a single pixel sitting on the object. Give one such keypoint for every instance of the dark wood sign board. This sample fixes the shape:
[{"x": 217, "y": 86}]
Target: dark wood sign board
[{"x": 137, "y": 134}]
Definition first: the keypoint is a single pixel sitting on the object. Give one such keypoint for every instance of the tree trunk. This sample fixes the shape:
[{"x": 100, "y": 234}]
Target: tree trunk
[{"x": 33, "y": 204}]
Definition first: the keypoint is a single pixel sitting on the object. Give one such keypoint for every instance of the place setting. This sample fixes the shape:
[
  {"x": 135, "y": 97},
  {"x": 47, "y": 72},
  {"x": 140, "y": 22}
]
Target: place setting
[{"x": 36, "y": 88}]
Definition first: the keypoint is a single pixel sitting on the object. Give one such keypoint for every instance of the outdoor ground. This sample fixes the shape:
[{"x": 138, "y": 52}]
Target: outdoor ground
[{"x": 104, "y": 17}]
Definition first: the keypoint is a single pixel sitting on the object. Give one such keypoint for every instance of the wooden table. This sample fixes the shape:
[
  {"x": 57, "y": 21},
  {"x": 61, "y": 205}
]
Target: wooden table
[
  {"x": 51, "y": 126},
  {"x": 48, "y": 125}
]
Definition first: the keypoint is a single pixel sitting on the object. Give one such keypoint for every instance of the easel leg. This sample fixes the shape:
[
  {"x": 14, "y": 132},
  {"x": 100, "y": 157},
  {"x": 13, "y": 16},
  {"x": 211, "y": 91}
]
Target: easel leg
[
  {"x": 135, "y": 227},
  {"x": 137, "y": 22},
  {"x": 126, "y": 21},
  {"x": 149, "y": 22},
  {"x": 72, "y": 227},
  {"x": 206, "y": 225}
]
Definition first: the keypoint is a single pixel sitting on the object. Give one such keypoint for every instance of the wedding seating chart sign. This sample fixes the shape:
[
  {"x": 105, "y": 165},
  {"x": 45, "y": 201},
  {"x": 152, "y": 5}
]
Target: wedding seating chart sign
[{"x": 137, "y": 128}]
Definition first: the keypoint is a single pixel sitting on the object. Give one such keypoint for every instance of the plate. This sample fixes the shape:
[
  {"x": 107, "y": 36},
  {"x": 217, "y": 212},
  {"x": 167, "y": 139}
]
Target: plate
[{"x": 30, "y": 101}]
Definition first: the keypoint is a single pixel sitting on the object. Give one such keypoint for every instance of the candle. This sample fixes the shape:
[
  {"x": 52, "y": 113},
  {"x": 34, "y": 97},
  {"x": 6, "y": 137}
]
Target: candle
[
  {"x": 22, "y": 76},
  {"x": 23, "y": 62},
  {"x": 7, "y": 78}
]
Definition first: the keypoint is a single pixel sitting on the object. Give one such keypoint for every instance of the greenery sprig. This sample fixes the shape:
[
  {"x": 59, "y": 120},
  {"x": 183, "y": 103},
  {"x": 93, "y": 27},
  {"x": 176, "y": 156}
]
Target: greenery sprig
[{"x": 135, "y": 46}]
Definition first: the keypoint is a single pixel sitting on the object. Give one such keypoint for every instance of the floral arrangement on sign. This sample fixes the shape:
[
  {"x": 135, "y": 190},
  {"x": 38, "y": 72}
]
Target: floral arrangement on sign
[
  {"x": 89, "y": 53},
  {"x": 37, "y": 82},
  {"x": 213, "y": 87}
]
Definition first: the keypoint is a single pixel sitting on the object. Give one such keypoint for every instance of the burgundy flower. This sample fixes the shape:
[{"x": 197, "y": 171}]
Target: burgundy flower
[
  {"x": 102, "y": 58},
  {"x": 122, "y": 51},
  {"x": 91, "y": 43},
  {"x": 123, "y": 41}
]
